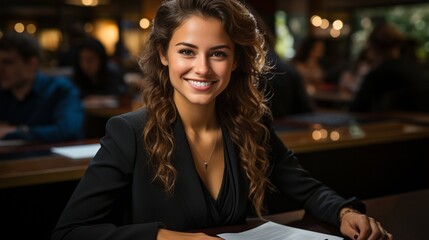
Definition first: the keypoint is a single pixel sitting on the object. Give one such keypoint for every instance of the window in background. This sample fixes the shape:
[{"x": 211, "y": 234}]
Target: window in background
[
  {"x": 413, "y": 20},
  {"x": 284, "y": 38}
]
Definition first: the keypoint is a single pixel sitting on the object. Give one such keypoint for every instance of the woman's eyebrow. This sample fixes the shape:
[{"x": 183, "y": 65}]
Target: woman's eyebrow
[{"x": 194, "y": 46}]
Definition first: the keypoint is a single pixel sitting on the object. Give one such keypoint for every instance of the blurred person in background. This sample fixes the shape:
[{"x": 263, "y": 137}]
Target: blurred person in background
[
  {"x": 100, "y": 80},
  {"x": 351, "y": 78},
  {"x": 307, "y": 61},
  {"x": 35, "y": 107},
  {"x": 73, "y": 37},
  {"x": 394, "y": 80}
]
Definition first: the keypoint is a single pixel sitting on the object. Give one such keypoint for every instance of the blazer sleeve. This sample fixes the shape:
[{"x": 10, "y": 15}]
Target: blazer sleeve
[
  {"x": 88, "y": 212},
  {"x": 294, "y": 182}
]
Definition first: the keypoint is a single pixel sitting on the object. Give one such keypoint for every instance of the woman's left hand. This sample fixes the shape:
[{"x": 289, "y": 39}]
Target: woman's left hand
[{"x": 361, "y": 227}]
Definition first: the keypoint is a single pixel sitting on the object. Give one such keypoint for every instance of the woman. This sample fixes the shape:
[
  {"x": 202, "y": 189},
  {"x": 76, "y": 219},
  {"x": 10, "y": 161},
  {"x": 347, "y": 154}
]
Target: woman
[
  {"x": 99, "y": 80},
  {"x": 307, "y": 61},
  {"x": 199, "y": 155}
]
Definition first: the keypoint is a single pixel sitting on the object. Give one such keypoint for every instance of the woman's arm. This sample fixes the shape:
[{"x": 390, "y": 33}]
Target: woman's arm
[
  {"x": 322, "y": 202},
  {"x": 296, "y": 183},
  {"x": 88, "y": 215}
]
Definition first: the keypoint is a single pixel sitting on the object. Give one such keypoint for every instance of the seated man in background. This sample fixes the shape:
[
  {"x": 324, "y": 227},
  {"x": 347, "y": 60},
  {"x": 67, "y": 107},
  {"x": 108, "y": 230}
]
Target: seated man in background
[
  {"x": 34, "y": 107},
  {"x": 395, "y": 81}
]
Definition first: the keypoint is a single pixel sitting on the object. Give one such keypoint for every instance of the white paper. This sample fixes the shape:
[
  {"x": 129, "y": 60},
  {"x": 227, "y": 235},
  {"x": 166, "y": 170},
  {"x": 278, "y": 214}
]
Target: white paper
[
  {"x": 275, "y": 231},
  {"x": 77, "y": 152}
]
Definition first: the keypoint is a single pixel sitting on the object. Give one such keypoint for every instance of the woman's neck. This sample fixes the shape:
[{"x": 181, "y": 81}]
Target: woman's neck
[{"x": 197, "y": 117}]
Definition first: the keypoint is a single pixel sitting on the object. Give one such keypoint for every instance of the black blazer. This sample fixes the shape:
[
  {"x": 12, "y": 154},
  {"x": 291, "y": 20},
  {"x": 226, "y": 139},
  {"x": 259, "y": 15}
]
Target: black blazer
[{"x": 117, "y": 199}]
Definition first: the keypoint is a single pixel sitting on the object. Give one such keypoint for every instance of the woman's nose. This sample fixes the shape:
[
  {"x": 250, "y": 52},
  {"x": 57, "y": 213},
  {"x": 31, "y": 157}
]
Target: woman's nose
[{"x": 202, "y": 65}]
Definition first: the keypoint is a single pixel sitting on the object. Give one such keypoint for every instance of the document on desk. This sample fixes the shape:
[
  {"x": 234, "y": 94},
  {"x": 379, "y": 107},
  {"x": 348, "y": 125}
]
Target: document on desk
[
  {"x": 77, "y": 152},
  {"x": 275, "y": 231}
]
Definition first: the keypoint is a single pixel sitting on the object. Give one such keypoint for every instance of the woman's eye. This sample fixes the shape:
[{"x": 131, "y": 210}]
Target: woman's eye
[
  {"x": 186, "y": 52},
  {"x": 219, "y": 54}
]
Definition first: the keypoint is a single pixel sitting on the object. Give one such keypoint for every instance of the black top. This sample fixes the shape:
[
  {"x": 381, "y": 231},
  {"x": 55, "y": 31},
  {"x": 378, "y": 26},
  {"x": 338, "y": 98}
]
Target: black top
[{"x": 117, "y": 199}]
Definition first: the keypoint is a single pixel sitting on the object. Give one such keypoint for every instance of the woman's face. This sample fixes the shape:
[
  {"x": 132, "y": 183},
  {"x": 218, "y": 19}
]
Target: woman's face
[{"x": 200, "y": 59}]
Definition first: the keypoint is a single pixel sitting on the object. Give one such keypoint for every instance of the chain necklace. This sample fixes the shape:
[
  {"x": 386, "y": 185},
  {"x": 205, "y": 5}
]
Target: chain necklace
[{"x": 206, "y": 163}]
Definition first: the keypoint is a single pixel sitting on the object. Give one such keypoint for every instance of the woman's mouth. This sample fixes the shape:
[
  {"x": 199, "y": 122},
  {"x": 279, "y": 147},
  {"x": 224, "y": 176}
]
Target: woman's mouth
[{"x": 200, "y": 83}]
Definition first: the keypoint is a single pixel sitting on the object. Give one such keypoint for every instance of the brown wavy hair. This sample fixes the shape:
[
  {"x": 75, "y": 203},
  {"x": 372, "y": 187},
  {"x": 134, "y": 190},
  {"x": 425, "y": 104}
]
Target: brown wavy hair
[{"x": 241, "y": 107}]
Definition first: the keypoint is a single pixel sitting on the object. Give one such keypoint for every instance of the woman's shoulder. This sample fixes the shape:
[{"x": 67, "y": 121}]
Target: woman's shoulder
[
  {"x": 136, "y": 119},
  {"x": 137, "y": 116}
]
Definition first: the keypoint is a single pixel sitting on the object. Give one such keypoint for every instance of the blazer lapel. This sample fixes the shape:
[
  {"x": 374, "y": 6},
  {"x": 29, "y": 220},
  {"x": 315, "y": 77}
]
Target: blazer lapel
[{"x": 188, "y": 188}]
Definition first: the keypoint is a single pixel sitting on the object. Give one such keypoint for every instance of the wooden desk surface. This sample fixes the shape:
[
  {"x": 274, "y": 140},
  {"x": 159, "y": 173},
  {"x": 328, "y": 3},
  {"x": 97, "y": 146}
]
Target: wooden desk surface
[
  {"x": 35, "y": 164},
  {"x": 40, "y": 170},
  {"x": 48, "y": 167},
  {"x": 316, "y": 137},
  {"x": 404, "y": 215}
]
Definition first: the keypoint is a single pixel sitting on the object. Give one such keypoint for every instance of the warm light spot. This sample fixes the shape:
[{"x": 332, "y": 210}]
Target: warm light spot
[
  {"x": 337, "y": 24},
  {"x": 90, "y": 2},
  {"x": 19, "y": 27},
  {"x": 144, "y": 23},
  {"x": 325, "y": 23},
  {"x": 107, "y": 31},
  {"x": 31, "y": 28},
  {"x": 335, "y": 136},
  {"x": 50, "y": 39},
  {"x": 317, "y": 135},
  {"x": 323, "y": 133},
  {"x": 316, "y": 20},
  {"x": 334, "y": 33}
]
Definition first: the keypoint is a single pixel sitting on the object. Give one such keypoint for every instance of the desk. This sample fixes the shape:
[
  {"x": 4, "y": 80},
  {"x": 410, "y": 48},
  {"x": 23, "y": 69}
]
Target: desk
[
  {"x": 372, "y": 156},
  {"x": 35, "y": 164},
  {"x": 318, "y": 137},
  {"x": 35, "y": 185},
  {"x": 49, "y": 168},
  {"x": 404, "y": 215}
]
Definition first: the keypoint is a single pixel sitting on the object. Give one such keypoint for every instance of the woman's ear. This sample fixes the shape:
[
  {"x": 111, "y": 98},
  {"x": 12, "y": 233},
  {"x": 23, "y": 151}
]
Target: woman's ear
[{"x": 162, "y": 57}]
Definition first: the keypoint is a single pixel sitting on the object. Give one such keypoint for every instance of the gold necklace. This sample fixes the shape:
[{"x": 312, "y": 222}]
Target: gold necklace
[{"x": 206, "y": 163}]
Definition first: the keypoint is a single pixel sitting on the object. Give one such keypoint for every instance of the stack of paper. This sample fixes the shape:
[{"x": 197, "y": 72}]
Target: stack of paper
[
  {"x": 77, "y": 152},
  {"x": 275, "y": 231}
]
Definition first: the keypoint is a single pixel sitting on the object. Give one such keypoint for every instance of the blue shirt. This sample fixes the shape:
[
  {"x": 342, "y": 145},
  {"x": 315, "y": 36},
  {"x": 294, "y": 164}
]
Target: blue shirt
[{"x": 52, "y": 111}]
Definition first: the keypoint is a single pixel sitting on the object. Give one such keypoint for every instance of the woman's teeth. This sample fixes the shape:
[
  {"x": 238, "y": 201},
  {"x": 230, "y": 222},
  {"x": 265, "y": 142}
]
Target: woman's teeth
[{"x": 200, "y": 84}]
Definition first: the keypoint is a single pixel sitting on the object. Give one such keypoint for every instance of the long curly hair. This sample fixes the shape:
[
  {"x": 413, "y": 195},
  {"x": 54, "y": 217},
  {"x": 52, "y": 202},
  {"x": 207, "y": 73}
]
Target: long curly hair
[{"x": 243, "y": 106}]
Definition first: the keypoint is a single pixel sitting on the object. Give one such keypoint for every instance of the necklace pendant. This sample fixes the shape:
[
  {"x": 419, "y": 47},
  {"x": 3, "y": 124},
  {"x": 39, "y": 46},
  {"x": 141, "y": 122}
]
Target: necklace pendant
[{"x": 205, "y": 165}]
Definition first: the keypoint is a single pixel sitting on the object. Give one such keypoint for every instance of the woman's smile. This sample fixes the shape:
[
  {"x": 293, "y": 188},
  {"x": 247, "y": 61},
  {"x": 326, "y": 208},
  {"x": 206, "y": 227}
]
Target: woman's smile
[{"x": 201, "y": 85}]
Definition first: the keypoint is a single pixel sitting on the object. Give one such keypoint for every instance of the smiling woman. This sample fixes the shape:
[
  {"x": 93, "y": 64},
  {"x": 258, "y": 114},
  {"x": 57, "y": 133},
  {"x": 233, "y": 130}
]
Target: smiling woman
[{"x": 202, "y": 153}]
